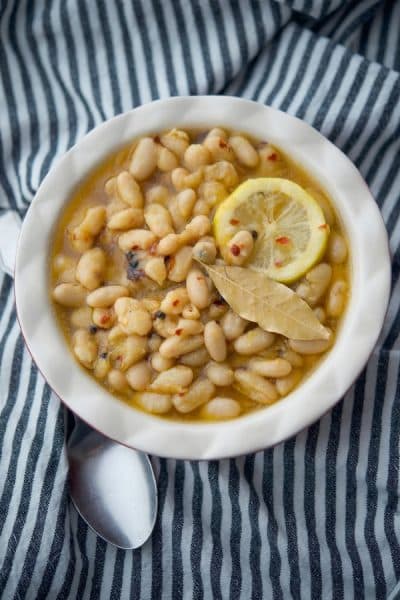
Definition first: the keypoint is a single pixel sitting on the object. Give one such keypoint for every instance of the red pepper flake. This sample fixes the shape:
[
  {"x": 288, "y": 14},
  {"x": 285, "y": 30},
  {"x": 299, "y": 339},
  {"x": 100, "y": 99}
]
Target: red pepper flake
[
  {"x": 181, "y": 393},
  {"x": 118, "y": 357},
  {"x": 175, "y": 302},
  {"x": 135, "y": 247},
  {"x": 235, "y": 250},
  {"x": 157, "y": 139},
  {"x": 199, "y": 278},
  {"x": 323, "y": 226},
  {"x": 278, "y": 263},
  {"x": 272, "y": 156},
  {"x": 222, "y": 143},
  {"x": 282, "y": 240},
  {"x": 219, "y": 302},
  {"x": 178, "y": 331},
  {"x": 104, "y": 319},
  {"x": 234, "y": 221},
  {"x": 153, "y": 249}
]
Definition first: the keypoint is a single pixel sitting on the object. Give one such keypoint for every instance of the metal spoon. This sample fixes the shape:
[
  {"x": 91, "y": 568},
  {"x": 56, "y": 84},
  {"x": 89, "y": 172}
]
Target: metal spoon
[{"x": 112, "y": 487}]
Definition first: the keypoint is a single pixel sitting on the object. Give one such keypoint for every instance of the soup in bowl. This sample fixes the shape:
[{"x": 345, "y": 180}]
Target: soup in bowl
[{"x": 209, "y": 274}]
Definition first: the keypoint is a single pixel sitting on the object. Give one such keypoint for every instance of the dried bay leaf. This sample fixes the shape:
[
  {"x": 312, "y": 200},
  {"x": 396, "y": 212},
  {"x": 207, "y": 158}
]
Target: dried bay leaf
[{"x": 272, "y": 305}]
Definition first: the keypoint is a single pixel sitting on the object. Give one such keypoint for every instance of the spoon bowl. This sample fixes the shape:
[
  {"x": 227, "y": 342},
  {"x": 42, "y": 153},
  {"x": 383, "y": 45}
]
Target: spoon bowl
[{"x": 112, "y": 487}]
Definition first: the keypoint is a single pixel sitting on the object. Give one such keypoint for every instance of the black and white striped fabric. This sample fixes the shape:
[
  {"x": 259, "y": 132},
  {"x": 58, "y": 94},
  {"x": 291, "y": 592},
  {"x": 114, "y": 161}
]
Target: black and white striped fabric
[{"x": 317, "y": 516}]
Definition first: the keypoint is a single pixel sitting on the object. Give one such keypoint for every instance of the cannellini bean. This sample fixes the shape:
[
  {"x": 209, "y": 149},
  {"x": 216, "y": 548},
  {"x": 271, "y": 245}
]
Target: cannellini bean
[
  {"x": 182, "y": 178},
  {"x": 219, "y": 148},
  {"x": 311, "y": 346},
  {"x": 85, "y": 347},
  {"x": 150, "y": 304},
  {"x": 316, "y": 283},
  {"x": 205, "y": 251},
  {"x": 220, "y": 407},
  {"x": 129, "y": 190},
  {"x": 169, "y": 245},
  {"x": 276, "y": 367},
  {"x": 110, "y": 187},
  {"x": 337, "y": 248},
  {"x": 176, "y": 140},
  {"x": 190, "y": 311},
  {"x": 67, "y": 276},
  {"x": 131, "y": 349},
  {"x": 216, "y": 311},
  {"x": 101, "y": 367},
  {"x": 232, "y": 325},
  {"x": 284, "y": 385},
  {"x": 240, "y": 248},
  {"x": 245, "y": 152},
  {"x": 179, "y": 264},
  {"x": 132, "y": 317},
  {"x": 224, "y": 172},
  {"x": 158, "y": 220},
  {"x": 199, "y": 393},
  {"x": 220, "y": 374},
  {"x": 256, "y": 387},
  {"x": 217, "y": 131},
  {"x": 114, "y": 207},
  {"x": 144, "y": 159},
  {"x": 167, "y": 160},
  {"x": 178, "y": 221},
  {"x": 154, "y": 342},
  {"x": 117, "y": 380},
  {"x": 173, "y": 380},
  {"x": 214, "y": 341},
  {"x": 159, "y": 363},
  {"x": 186, "y": 199},
  {"x": 197, "y": 289},
  {"x": 155, "y": 269},
  {"x": 103, "y": 317},
  {"x": 81, "y": 317},
  {"x": 176, "y": 346},
  {"x": 157, "y": 193},
  {"x": 105, "y": 296},
  {"x": 201, "y": 208},
  {"x": 84, "y": 234},
  {"x": 126, "y": 219},
  {"x": 253, "y": 341},
  {"x": 91, "y": 267},
  {"x": 336, "y": 299},
  {"x": 197, "y": 228},
  {"x": 115, "y": 335},
  {"x": 213, "y": 192},
  {"x": 139, "y": 376},
  {"x": 61, "y": 263},
  {"x": 197, "y": 358},
  {"x": 174, "y": 301},
  {"x": 136, "y": 238},
  {"x": 196, "y": 156},
  {"x": 295, "y": 359},
  {"x": 71, "y": 295},
  {"x": 165, "y": 326},
  {"x": 158, "y": 404},
  {"x": 187, "y": 327}
]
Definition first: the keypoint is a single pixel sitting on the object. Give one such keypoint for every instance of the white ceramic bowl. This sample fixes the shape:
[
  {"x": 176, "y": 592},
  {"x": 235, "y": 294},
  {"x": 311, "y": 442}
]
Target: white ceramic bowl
[{"x": 370, "y": 265}]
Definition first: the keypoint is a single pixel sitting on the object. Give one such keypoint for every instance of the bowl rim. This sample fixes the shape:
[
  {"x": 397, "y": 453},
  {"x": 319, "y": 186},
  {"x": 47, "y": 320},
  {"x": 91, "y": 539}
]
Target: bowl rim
[{"x": 266, "y": 427}]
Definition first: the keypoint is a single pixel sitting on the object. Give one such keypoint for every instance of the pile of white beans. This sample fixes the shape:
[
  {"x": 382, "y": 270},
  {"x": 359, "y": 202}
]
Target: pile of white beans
[{"x": 140, "y": 312}]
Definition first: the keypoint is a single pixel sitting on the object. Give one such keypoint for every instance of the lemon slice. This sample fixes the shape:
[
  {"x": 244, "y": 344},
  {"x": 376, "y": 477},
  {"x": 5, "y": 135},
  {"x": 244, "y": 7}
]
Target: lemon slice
[{"x": 287, "y": 223}]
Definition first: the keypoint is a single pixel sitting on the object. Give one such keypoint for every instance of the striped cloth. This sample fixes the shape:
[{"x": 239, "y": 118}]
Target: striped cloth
[{"x": 317, "y": 516}]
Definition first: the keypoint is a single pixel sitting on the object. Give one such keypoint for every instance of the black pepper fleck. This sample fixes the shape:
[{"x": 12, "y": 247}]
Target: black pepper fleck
[
  {"x": 93, "y": 329},
  {"x": 160, "y": 315},
  {"x": 254, "y": 234},
  {"x": 103, "y": 355}
]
